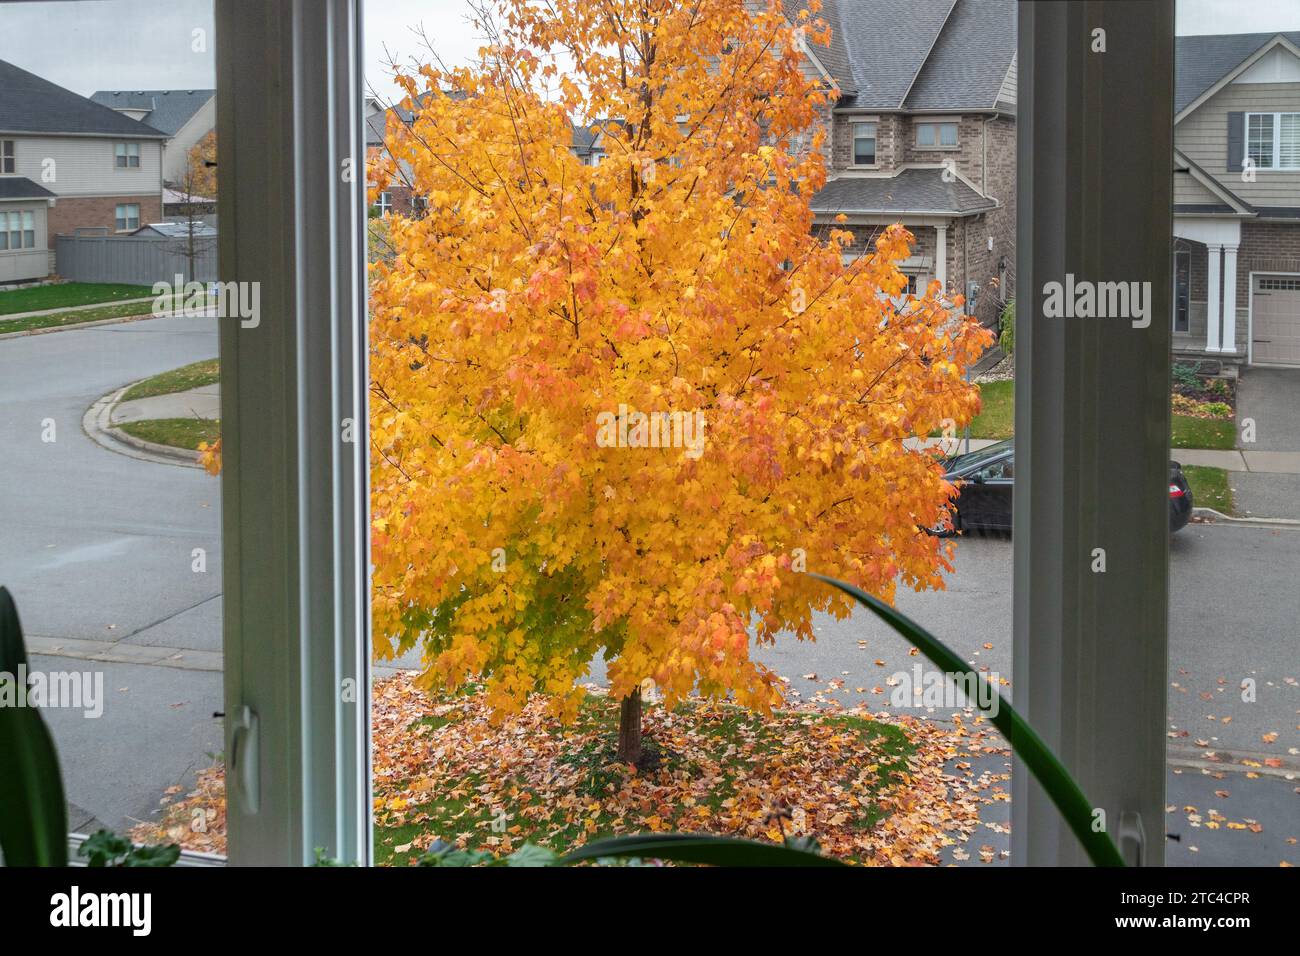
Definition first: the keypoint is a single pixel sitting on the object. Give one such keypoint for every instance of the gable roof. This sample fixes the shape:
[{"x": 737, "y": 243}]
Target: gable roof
[
  {"x": 1201, "y": 62},
  {"x": 924, "y": 55},
  {"x": 1230, "y": 201},
  {"x": 31, "y": 104},
  {"x": 169, "y": 110}
]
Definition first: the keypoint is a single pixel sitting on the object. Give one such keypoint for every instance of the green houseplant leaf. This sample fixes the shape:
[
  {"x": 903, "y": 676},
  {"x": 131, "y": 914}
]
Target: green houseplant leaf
[
  {"x": 700, "y": 848},
  {"x": 33, "y": 814},
  {"x": 1028, "y": 746}
]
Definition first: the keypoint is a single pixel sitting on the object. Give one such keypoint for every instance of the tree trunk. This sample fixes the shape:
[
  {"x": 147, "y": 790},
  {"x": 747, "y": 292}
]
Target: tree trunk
[{"x": 629, "y": 729}]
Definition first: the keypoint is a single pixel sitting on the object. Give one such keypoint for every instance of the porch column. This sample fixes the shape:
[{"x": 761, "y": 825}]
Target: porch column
[
  {"x": 1229, "y": 343},
  {"x": 1212, "y": 299},
  {"x": 941, "y": 255}
]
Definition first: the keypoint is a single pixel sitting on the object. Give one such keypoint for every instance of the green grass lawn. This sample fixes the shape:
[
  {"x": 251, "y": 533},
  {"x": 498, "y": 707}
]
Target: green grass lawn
[
  {"x": 206, "y": 372},
  {"x": 66, "y": 294},
  {"x": 997, "y": 418},
  {"x": 177, "y": 432},
  {"x": 79, "y": 317},
  {"x": 1209, "y": 488},
  {"x": 560, "y": 787},
  {"x": 1191, "y": 432}
]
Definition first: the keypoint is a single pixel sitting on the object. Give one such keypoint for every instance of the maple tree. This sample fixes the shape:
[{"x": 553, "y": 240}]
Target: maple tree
[{"x": 541, "y": 296}]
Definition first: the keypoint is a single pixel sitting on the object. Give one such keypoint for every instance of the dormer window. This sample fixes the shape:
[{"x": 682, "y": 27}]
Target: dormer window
[
  {"x": 1273, "y": 140},
  {"x": 936, "y": 135},
  {"x": 864, "y": 144},
  {"x": 126, "y": 155}
]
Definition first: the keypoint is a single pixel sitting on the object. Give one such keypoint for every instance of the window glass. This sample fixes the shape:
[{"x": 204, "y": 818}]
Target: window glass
[
  {"x": 1289, "y": 141},
  {"x": 1259, "y": 139},
  {"x": 864, "y": 144}
]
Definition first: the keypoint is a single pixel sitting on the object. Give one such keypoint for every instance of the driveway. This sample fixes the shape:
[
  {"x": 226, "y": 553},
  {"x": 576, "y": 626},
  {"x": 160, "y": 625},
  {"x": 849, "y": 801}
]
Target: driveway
[
  {"x": 1271, "y": 398},
  {"x": 98, "y": 550}
]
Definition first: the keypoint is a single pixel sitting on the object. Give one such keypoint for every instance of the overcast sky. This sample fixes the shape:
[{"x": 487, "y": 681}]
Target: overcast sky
[{"x": 89, "y": 45}]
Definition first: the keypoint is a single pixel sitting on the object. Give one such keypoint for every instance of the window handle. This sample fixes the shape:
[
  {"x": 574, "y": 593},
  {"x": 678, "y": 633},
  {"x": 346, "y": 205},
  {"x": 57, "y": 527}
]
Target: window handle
[{"x": 243, "y": 758}]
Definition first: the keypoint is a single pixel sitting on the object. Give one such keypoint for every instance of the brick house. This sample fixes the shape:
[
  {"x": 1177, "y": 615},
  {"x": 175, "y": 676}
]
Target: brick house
[
  {"x": 922, "y": 131},
  {"x": 68, "y": 163},
  {"x": 1237, "y": 199}
]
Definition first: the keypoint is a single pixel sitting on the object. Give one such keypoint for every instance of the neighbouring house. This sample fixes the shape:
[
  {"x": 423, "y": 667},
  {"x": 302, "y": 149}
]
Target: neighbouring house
[
  {"x": 1237, "y": 199},
  {"x": 184, "y": 116},
  {"x": 922, "y": 131},
  {"x": 67, "y": 163},
  {"x": 397, "y": 197},
  {"x": 177, "y": 230}
]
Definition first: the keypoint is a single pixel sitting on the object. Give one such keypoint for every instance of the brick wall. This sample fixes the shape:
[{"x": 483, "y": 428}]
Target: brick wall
[
  {"x": 1266, "y": 247},
  {"x": 69, "y": 214}
]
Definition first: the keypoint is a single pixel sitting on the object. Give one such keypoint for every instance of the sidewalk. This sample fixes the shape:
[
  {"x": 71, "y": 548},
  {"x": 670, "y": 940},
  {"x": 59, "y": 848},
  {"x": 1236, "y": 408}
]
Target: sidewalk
[{"x": 1262, "y": 462}]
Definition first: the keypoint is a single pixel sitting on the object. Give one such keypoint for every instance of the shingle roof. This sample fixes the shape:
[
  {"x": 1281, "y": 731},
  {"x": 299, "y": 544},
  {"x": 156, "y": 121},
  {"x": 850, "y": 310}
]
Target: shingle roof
[
  {"x": 169, "y": 110},
  {"x": 917, "y": 54},
  {"x": 17, "y": 187},
  {"x": 922, "y": 191},
  {"x": 970, "y": 60},
  {"x": 30, "y": 104},
  {"x": 1201, "y": 61},
  {"x": 834, "y": 56}
]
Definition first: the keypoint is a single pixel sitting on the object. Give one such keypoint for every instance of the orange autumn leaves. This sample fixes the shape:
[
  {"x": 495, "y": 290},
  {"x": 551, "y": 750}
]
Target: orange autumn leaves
[{"x": 679, "y": 276}]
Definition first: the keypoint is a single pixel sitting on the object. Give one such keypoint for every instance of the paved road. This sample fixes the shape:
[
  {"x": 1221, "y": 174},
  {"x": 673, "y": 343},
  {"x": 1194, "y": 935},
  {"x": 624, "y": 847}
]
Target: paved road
[{"x": 98, "y": 547}]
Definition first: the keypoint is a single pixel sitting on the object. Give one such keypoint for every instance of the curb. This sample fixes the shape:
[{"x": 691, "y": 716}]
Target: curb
[
  {"x": 97, "y": 424},
  {"x": 1257, "y": 522}
]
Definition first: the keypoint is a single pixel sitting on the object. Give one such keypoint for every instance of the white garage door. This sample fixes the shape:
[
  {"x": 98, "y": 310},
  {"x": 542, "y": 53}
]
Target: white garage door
[{"x": 1275, "y": 320}]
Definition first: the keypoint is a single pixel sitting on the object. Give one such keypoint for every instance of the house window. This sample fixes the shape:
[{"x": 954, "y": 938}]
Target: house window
[
  {"x": 385, "y": 203},
  {"x": 936, "y": 135},
  {"x": 127, "y": 217},
  {"x": 126, "y": 155},
  {"x": 1182, "y": 290},
  {"x": 1273, "y": 140},
  {"x": 864, "y": 144},
  {"x": 910, "y": 288},
  {"x": 8, "y": 160},
  {"x": 18, "y": 230}
]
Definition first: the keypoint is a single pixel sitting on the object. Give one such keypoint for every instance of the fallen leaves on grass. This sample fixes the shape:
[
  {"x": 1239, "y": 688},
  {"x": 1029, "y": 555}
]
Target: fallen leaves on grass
[{"x": 868, "y": 789}]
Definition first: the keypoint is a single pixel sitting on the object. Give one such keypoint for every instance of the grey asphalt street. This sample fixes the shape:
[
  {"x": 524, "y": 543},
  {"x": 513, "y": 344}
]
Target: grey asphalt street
[{"x": 99, "y": 547}]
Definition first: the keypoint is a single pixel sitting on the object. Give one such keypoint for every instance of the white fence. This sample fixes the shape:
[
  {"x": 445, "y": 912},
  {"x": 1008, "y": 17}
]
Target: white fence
[{"x": 135, "y": 260}]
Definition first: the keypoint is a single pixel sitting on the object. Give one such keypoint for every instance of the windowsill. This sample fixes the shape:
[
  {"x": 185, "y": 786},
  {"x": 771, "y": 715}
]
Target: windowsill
[{"x": 938, "y": 149}]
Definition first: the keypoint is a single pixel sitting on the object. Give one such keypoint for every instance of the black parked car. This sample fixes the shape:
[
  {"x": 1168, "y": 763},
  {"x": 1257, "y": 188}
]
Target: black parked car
[{"x": 987, "y": 477}]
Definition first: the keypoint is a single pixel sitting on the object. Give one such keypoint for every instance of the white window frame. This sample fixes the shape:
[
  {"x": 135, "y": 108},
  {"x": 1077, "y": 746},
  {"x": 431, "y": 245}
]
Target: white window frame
[
  {"x": 8, "y": 157},
  {"x": 126, "y": 152},
  {"x": 1275, "y": 129},
  {"x": 295, "y": 484},
  {"x": 875, "y": 141},
  {"x": 126, "y": 219},
  {"x": 384, "y": 203},
  {"x": 937, "y": 125}
]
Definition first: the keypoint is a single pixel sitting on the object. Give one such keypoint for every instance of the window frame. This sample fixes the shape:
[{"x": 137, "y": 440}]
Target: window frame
[
  {"x": 1275, "y": 137},
  {"x": 129, "y": 150},
  {"x": 119, "y": 218},
  {"x": 875, "y": 143},
  {"x": 8, "y": 157},
  {"x": 937, "y": 126},
  {"x": 295, "y": 501}
]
